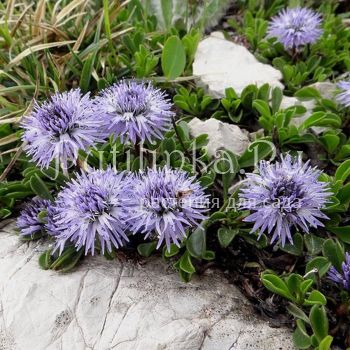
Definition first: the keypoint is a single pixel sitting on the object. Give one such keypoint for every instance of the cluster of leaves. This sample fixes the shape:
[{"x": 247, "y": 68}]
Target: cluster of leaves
[
  {"x": 48, "y": 47},
  {"x": 327, "y": 58}
]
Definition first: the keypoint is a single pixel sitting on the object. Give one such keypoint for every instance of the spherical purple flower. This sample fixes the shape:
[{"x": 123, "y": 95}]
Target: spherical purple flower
[
  {"x": 296, "y": 27},
  {"x": 137, "y": 111},
  {"x": 28, "y": 221},
  {"x": 344, "y": 95},
  {"x": 90, "y": 209},
  {"x": 165, "y": 202},
  {"x": 60, "y": 127},
  {"x": 283, "y": 195},
  {"x": 342, "y": 278}
]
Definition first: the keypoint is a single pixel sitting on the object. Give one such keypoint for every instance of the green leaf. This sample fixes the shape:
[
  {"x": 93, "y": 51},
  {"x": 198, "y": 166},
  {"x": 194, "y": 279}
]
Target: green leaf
[
  {"x": 146, "y": 249},
  {"x": 88, "y": 67},
  {"x": 300, "y": 338},
  {"x": 307, "y": 93},
  {"x": 174, "y": 249},
  {"x": 330, "y": 142},
  {"x": 277, "y": 96},
  {"x": 293, "y": 282},
  {"x": 343, "y": 171},
  {"x": 314, "y": 342},
  {"x": 344, "y": 194},
  {"x": 296, "y": 248},
  {"x": 69, "y": 264},
  {"x": 208, "y": 255},
  {"x": 38, "y": 186},
  {"x": 343, "y": 153},
  {"x": 256, "y": 151},
  {"x": 196, "y": 243},
  {"x": 320, "y": 263},
  {"x": 226, "y": 235},
  {"x": 4, "y": 213},
  {"x": 326, "y": 343},
  {"x": 217, "y": 216},
  {"x": 136, "y": 164},
  {"x": 315, "y": 297},
  {"x": 297, "y": 312},
  {"x": 186, "y": 263},
  {"x": 184, "y": 276},
  {"x": 313, "y": 243},
  {"x": 333, "y": 250},
  {"x": 342, "y": 232},
  {"x": 206, "y": 181},
  {"x": 45, "y": 259},
  {"x": 55, "y": 175},
  {"x": 319, "y": 322},
  {"x": 306, "y": 285},
  {"x": 106, "y": 19},
  {"x": 276, "y": 285},
  {"x": 262, "y": 107},
  {"x": 42, "y": 216},
  {"x": 201, "y": 141},
  {"x": 67, "y": 260},
  {"x": 169, "y": 145},
  {"x": 321, "y": 119},
  {"x": 173, "y": 58},
  {"x": 167, "y": 11}
]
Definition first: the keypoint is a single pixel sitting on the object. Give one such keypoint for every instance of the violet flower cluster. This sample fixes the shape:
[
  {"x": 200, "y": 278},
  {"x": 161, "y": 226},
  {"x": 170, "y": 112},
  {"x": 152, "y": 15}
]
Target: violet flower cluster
[
  {"x": 164, "y": 203},
  {"x": 60, "y": 127},
  {"x": 343, "y": 96},
  {"x": 341, "y": 278},
  {"x": 28, "y": 222},
  {"x": 137, "y": 112},
  {"x": 70, "y": 121},
  {"x": 296, "y": 27},
  {"x": 102, "y": 208},
  {"x": 90, "y": 210},
  {"x": 283, "y": 195}
]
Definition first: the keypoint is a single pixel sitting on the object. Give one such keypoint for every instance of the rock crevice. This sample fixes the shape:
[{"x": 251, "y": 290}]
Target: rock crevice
[{"x": 113, "y": 305}]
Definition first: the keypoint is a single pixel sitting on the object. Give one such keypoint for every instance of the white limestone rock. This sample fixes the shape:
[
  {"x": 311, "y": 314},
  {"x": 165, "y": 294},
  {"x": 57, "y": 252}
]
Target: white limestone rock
[
  {"x": 327, "y": 91},
  {"x": 220, "y": 135},
  {"x": 220, "y": 64},
  {"x": 122, "y": 306},
  {"x": 293, "y": 101}
]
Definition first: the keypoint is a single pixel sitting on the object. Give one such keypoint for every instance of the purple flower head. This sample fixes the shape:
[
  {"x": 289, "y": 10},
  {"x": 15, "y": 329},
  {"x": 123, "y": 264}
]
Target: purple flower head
[
  {"x": 28, "y": 221},
  {"x": 283, "y": 195},
  {"x": 59, "y": 127},
  {"x": 342, "y": 278},
  {"x": 344, "y": 95},
  {"x": 165, "y": 202},
  {"x": 296, "y": 27},
  {"x": 90, "y": 209},
  {"x": 137, "y": 111}
]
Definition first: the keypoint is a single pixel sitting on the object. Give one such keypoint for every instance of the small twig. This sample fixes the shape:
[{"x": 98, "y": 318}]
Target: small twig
[
  {"x": 137, "y": 148},
  {"x": 12, "y": 162},
  {"x": 275, "y": 140},
  {"x": 295, "y": 54}
]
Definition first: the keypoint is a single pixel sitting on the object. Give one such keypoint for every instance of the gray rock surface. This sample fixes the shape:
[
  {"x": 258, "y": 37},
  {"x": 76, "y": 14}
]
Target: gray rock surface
[
  {"x": 220, "y": 64},
  {"x": 123, "y": 306},
  {"x": 220, "y": 135}
]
